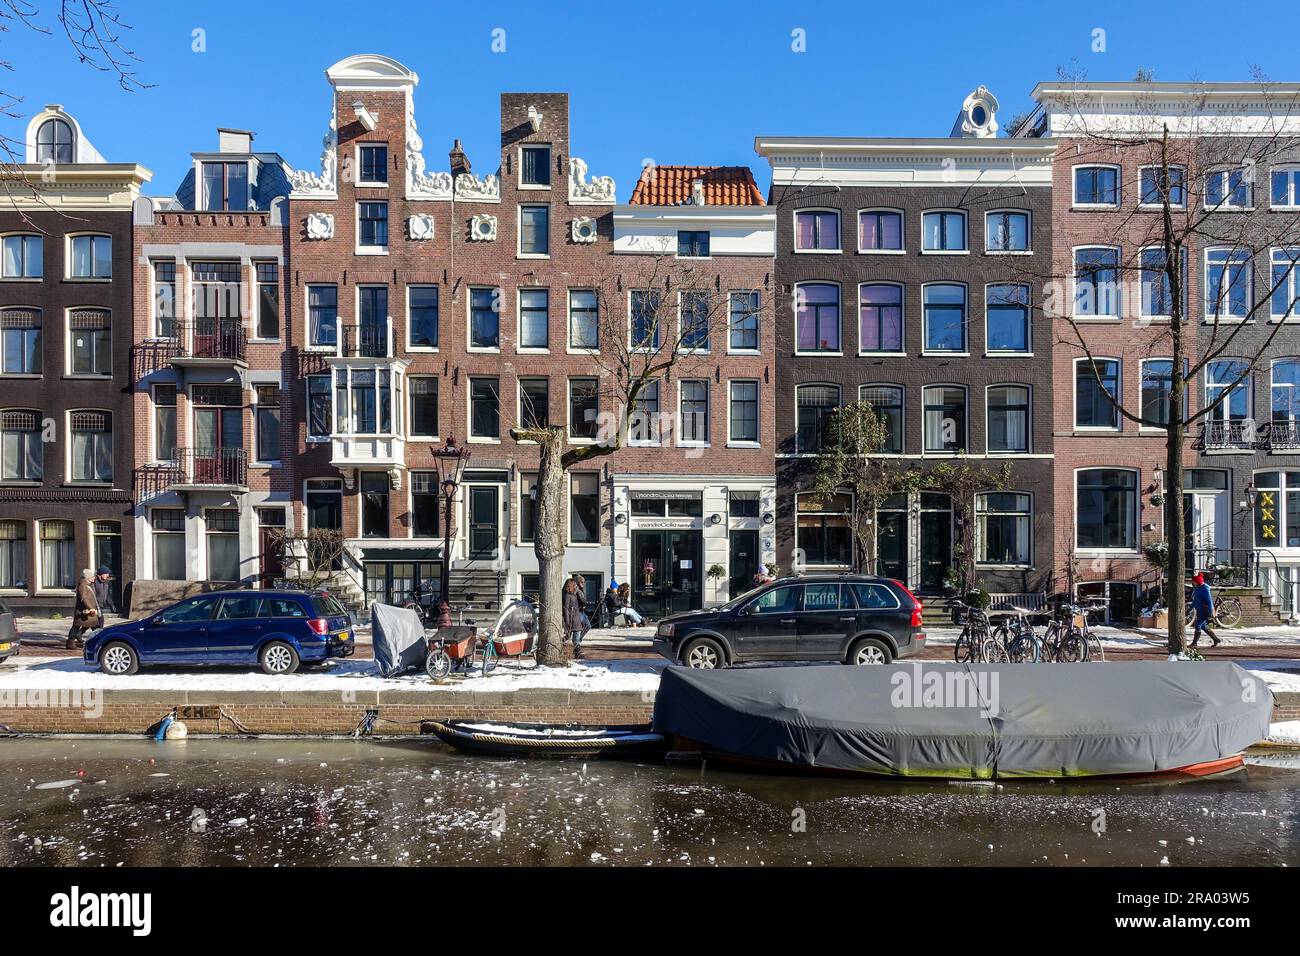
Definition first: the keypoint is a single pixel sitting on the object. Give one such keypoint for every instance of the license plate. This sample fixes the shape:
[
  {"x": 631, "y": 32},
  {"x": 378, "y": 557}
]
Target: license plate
[
  {"x": 344, "y": 636},
  {"x": 6, "y": 646}
]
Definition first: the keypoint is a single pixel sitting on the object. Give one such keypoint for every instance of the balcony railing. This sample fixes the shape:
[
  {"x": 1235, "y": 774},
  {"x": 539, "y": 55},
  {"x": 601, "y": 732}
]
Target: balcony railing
[
  {"x": 1283, "y": 436},
  {"x": 366, "y": 340},
  {"x": 1236, "y": 435},
  {"x": 212, "y": 338},
  {"x": 192, "y": 469}
]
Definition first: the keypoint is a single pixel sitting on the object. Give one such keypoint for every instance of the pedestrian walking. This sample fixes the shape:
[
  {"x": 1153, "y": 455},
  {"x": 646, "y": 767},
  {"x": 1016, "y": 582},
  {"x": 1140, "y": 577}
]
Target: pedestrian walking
[
  {"x": 573, "y": 616},
  {"x": 1202, "y": 609},
  {"x": 104, "y": 592},
  {"x": 85, "y": 614}
]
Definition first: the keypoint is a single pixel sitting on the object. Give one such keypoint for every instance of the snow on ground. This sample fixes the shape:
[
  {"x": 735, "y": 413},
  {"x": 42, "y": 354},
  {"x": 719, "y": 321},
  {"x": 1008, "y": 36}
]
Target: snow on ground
[
  {"x": 1282, "y": 676},
  {"x": 1236, "y": 636},
  {"x": 1284, "y": 732}
]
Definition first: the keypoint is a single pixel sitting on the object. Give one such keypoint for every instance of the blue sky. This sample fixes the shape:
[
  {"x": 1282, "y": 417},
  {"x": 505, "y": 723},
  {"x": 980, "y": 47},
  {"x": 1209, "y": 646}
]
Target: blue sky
[{"x": 675, "y": 82}]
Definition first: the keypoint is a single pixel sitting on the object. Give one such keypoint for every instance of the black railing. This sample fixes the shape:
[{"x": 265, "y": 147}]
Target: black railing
[
  {"x": 213, "y": 338},
  {"x": 366, "y": 340},
  {"x": 150, "y": 481},
  {"x": 1283, "y": 435},
  {"x": 213, "y": 466},
  {"x": 1229, "y": 436}
]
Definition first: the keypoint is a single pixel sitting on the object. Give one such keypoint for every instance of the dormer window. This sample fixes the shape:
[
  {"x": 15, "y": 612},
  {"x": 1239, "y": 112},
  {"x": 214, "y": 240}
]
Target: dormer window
[
  {"x": 54, "y": 142},
  {"x": 225, "y": 186}
]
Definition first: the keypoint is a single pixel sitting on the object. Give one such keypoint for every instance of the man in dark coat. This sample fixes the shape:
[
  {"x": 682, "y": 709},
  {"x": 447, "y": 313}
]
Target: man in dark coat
[
  {"x": 85, "y": 615},
  {"x": 104, "y": 592},
  {"x": 1202, "y": 610},
  {"x": 573, "y": 615}
]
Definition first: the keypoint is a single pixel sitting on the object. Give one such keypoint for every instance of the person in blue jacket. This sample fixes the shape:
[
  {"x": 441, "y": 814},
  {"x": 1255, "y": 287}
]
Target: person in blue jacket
[{"x": 1202, "y": 609}]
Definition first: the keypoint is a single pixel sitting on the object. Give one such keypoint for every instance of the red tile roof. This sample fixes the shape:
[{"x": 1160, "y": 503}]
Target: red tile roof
[{"x": 672, "y": 186}]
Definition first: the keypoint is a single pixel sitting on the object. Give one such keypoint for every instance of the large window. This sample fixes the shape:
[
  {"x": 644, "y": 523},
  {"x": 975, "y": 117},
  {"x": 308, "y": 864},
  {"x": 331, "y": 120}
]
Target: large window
[
  {"x": 694, "y": 317},
  {"x": 1006, "y": 317},
  {"x": 1092, "y": 407},
  {"x": 225, "y": 186},
  {"x": 743, "y": 310},
  {"x": 535, "y": 165},
  {"x": 1008, "y": 419},
  {"x": 584, "y": 508},
  {"x": 268, "y": 422},
  {"x": 1006, "y": 230},
  {"x": 743, "y": 413},
  {"x": 424, "y": 406},
  {"x": 268, "y": 299},
  {"x": 22, "y": 258},
  {"x": 1096, "y": 186},
  {"x": 58, "y": 555},
  {"x": 1285, "y": 285},
  {"x": 817, "y": 317},
  {"x": 584, "y": 319},
  {"x": 1228, "y": 189},
  {"x": 1227, "y": 284},
  {"x": 1286, "y": 391},
  {"x": 887, "y": 402},
  {"x": 13, "y": 554},
  {"x": 644, "y": 330},
  {"x": 164, "y": 423},
  {"x": 1156, "y": 186},
  {"x": 92, "y": 257},
  {"x": 534, "y": 318},
  {"x": 222, "y": 531},
  {"x": 164, "y": 299},
  {"x": 1105, "y": 514},
  {"x": 822, "y": 531},
  {"x": 1096, "y": 282},
  {"x": 323, "y": 315},
  {"x": 363, "y": 401},
  {"x": 944, "y": 307},
  {"x": 22, "y": 453},
  {"x": 643, "y": 422},
  {"x": 534, "y": 230},
  {"x": 943, "y": 231},
  {"x": 880, "y": 230},
  {"x": 527, "y": 507},
  {"x": 484, "y": 408},
  {"x": 1156, "y": 289},
  {"x": 881, "y": 319},
  {"x": 945, "y": 418},
  {"x": 372, "y": 225},
  {"x": 1227, "y": 383},
  {"x": 693, "y": 421},
  {"x": 374, "y": 504},
  {"x": 584, "y": 408},
  {"x": 1157, "y": 384},
  {"x": 319, "y": 407},
  {"x": 1285, "y": 183},
  {"x": 1277, "y": 509},
  {"x": 817, "y": 229},
  {"x": 422, "y": 316},
  {"x": 534, "y": 403},
  {"x": 168, "y": 528},
  {"x": 92, "y": 445},
  {"x": 484, "y": 318},
  {"x": 426, "y": 504},
  {"x": 692, "y": 244},
  {"x": 20, "y": 341},
  {"x": 814, "y": 405},
  {"x": 54, "y": 142},
  {"x": 374, "y": 164},
  {"x": 1002, "y": 528}
]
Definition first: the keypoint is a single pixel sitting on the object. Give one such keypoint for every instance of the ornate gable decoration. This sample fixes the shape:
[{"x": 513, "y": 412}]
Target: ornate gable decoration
[
  {"x": 419, "y": 184},
  {"x": 319, "y": 225},
  {"x": 483, "y": 227},
  {"x": 325, "y": 184},
  {"x": 598, "y": 192},
  {"x": 470, "y": 187},
  {"x": 419, "y": 227}
]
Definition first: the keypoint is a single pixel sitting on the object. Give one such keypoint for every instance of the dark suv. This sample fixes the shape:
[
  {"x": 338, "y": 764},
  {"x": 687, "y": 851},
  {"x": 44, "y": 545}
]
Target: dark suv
[{"x": 853, "y": 618}]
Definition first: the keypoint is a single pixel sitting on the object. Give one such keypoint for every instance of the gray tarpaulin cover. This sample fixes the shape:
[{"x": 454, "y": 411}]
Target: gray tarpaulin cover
[
  {"x": 398, "y": 636},
  {"x": 981, "y": 720}
]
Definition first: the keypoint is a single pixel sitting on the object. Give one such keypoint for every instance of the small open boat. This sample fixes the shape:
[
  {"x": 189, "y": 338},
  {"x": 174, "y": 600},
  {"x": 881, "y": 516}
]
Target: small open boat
[
  {"x": 548, "y": 740},
  {"x": 974, "y": 722}
]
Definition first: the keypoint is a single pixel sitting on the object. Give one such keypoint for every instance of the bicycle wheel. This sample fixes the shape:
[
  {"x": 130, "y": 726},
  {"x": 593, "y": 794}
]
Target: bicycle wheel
[
  {"x": 1229, "y": 612},
  {"x": 1074, "y": 648},
  {"x": 993, "y": 651},
  {"x": 489, "y": 658},
  {"x": 961, "y": 651}
]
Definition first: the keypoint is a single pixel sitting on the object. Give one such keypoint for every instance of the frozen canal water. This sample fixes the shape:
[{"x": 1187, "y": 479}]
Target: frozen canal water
[{"x": 98, "y": 802}]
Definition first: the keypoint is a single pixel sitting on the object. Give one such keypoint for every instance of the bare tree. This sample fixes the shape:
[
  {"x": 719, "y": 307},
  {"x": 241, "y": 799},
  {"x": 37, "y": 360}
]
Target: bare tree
[
  {"x": 1202, "y": 199},
  {"x": 677, "y": 308}
]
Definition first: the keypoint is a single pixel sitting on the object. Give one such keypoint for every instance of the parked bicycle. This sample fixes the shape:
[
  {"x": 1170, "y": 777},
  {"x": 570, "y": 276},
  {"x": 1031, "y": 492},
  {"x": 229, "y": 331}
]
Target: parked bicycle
[
  {"x": 975, "y": 643},
  {"x": 1068, "y": 638},
  {"x": 1227, "y": 611},
  {"x": 1017, "y": 636}
]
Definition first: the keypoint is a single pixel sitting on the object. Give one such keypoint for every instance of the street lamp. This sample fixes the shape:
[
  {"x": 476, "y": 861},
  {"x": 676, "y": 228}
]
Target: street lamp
[{"x": 450, "y": 460}]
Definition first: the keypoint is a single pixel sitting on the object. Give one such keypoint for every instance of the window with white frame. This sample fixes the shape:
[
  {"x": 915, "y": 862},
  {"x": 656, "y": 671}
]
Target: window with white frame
[
  {"x": 693, "y": 412},
  {"x": 535, "y": 165},
  {"x": 1277, "y": 509},
  {"x": 644, "y": 330},
  {"x": 743, "y": 412},
  {"x": 1096, "y": 282},
  {"x": 534, "y": 318},
  {"x": 880, "y": 307},
  {"x": 695, "y": 308},
  {"x": 484, "y": 408},
  {"x": 164, "y": 422},
  {"x": 267, "y": 422},
  {"x": 372, "y": 225},
  {"x": 1157, "y": 299},
  {"x": 1228, "y": 189},
  {"x": 58, "y": 554},
  {"x": 90, "y": 342},
  {"x": 1006, "y": 230},
  {"x": 584, "y": 508},
  {"x": 1285, "y": 182},
  {"x": 534, "y": 403},
  {"x": 880, "y": 230},
  {"x": 1096, "y": 186},
  {"x": 1006, "y": 318},
  {"x": 323, "y": 315},
  {"x": 1008, "y": 419},
  {"x": 1096, "y": 391},
  {"x": 943, "y": 230},
  {"x": 22, "y": 453},
  {"x": 164, "y": 299},
  {"x": 374, "y": 164},
  {"x": 943, "y": 306},
  {"x": 367, "y": 401},
  {"x": 1285, "y": 301},
  {"x": 20, "y": 341},
  {"x": 319, "y": 407},
  {"x": 1003, "y": 522},
  {"x": 743, "y": 312},
  {"x": 823, "y": 531},
  {"x": 643, "y": 420},
  {"x": 1156, "y": 386},
  {"x": 1227, "y": 389},
  {"x": 887, "y": 403},
  {"x": 1285, "y": 402},
  {"x": 485, "y": 318},
  {"x": 13, "y": 554},
  {"x": 22, "y": 257},
  {"x": 92, "y": 445},
  {"x": 817, "y": 230},
  {"x": 92, "y": 257},
  {"x": 1228, "y": 277},
  {"x": 267, "y": 275},
  {"x": 944, "y": 409},
  {"x": 692, "y": 244},
  {"x": 817, "y": 317},
  {"x": 221, "y": 527},
  {"x": 814, "y": 406},
  {"x": 422, "y": 316},
  {"x": 1157, "y": 186},
  {"x": 424, "y": 405},
  {"x": 1106, "y": 509},
  {"x": 584, "y": 319},
  {"x": 225, "y": 186},
  {"x": 584, "y": 408},
  {"x": 168, "y": 530},
  {"x": 534, "y": 230}
]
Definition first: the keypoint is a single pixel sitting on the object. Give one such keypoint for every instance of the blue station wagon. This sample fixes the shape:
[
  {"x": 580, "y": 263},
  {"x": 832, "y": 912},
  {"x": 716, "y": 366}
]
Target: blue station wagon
[{"x": 275, "y": 629}]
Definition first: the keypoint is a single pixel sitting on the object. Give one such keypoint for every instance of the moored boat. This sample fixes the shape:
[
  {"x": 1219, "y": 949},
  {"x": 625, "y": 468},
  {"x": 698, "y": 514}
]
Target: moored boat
[
  {"x": 981, "y": 722},
  {"x": 548, "y": 740}
]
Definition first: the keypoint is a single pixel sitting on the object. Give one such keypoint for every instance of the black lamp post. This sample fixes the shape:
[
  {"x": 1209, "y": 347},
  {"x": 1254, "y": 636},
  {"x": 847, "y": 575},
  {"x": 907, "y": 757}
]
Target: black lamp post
[{"x": 450, "y": 460}]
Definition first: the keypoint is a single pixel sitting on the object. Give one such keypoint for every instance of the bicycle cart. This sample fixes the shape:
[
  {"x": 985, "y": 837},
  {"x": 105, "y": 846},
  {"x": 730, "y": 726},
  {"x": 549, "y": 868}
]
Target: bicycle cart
[
  {"x": 514, "y": 635},
  {"x": 450, "y": 648}
]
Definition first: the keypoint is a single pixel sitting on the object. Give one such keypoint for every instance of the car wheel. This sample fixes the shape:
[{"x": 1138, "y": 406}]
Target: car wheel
[
  {"x": 870, "y": 651},
  {"x": 704, "y": 654},
  {"x": 278, "y": 658},
  {"x": 118, "y": 659}
]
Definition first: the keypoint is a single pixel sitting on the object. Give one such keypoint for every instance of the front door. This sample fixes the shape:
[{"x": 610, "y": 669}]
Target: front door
[
  {"x": 324, "y": 511},
  {"x": 1205, "y": 525},
  {"x": 666, "y": 572},
  {"x": 743, "y": 561},
  {"x": 270, "y": 551},
  {"x": 484, "y": 521},
  {"x": 891, "y": 538},
  {"x": 218, "y": 434},
  {"x": 936, "y": 541}
]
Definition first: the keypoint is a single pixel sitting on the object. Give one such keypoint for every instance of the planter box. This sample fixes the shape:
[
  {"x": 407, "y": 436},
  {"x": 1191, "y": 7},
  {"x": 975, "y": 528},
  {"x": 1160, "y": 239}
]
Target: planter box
[{"x": 1159, "y": 620}]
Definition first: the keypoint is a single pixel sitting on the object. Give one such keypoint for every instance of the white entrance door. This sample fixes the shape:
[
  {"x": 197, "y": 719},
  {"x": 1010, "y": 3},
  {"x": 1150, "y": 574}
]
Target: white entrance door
[{"x": 1208, "y": 528}]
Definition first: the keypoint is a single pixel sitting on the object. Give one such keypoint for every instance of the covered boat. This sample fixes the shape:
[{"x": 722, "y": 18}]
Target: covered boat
[
  {"x": 547, "y": 740},
  {"x": 978, "y": 721}
]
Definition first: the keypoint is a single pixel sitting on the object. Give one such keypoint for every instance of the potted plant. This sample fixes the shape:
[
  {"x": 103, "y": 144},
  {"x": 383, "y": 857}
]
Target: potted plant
[{"x": 715, "y": 574}]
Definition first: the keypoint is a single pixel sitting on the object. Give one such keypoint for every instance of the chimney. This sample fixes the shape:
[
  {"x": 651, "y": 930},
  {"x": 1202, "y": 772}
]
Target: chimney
[
  {"x": 459, "y": 161},
  {"x": 234, "y": 140},
  {"x": 697, "y": 192}
]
